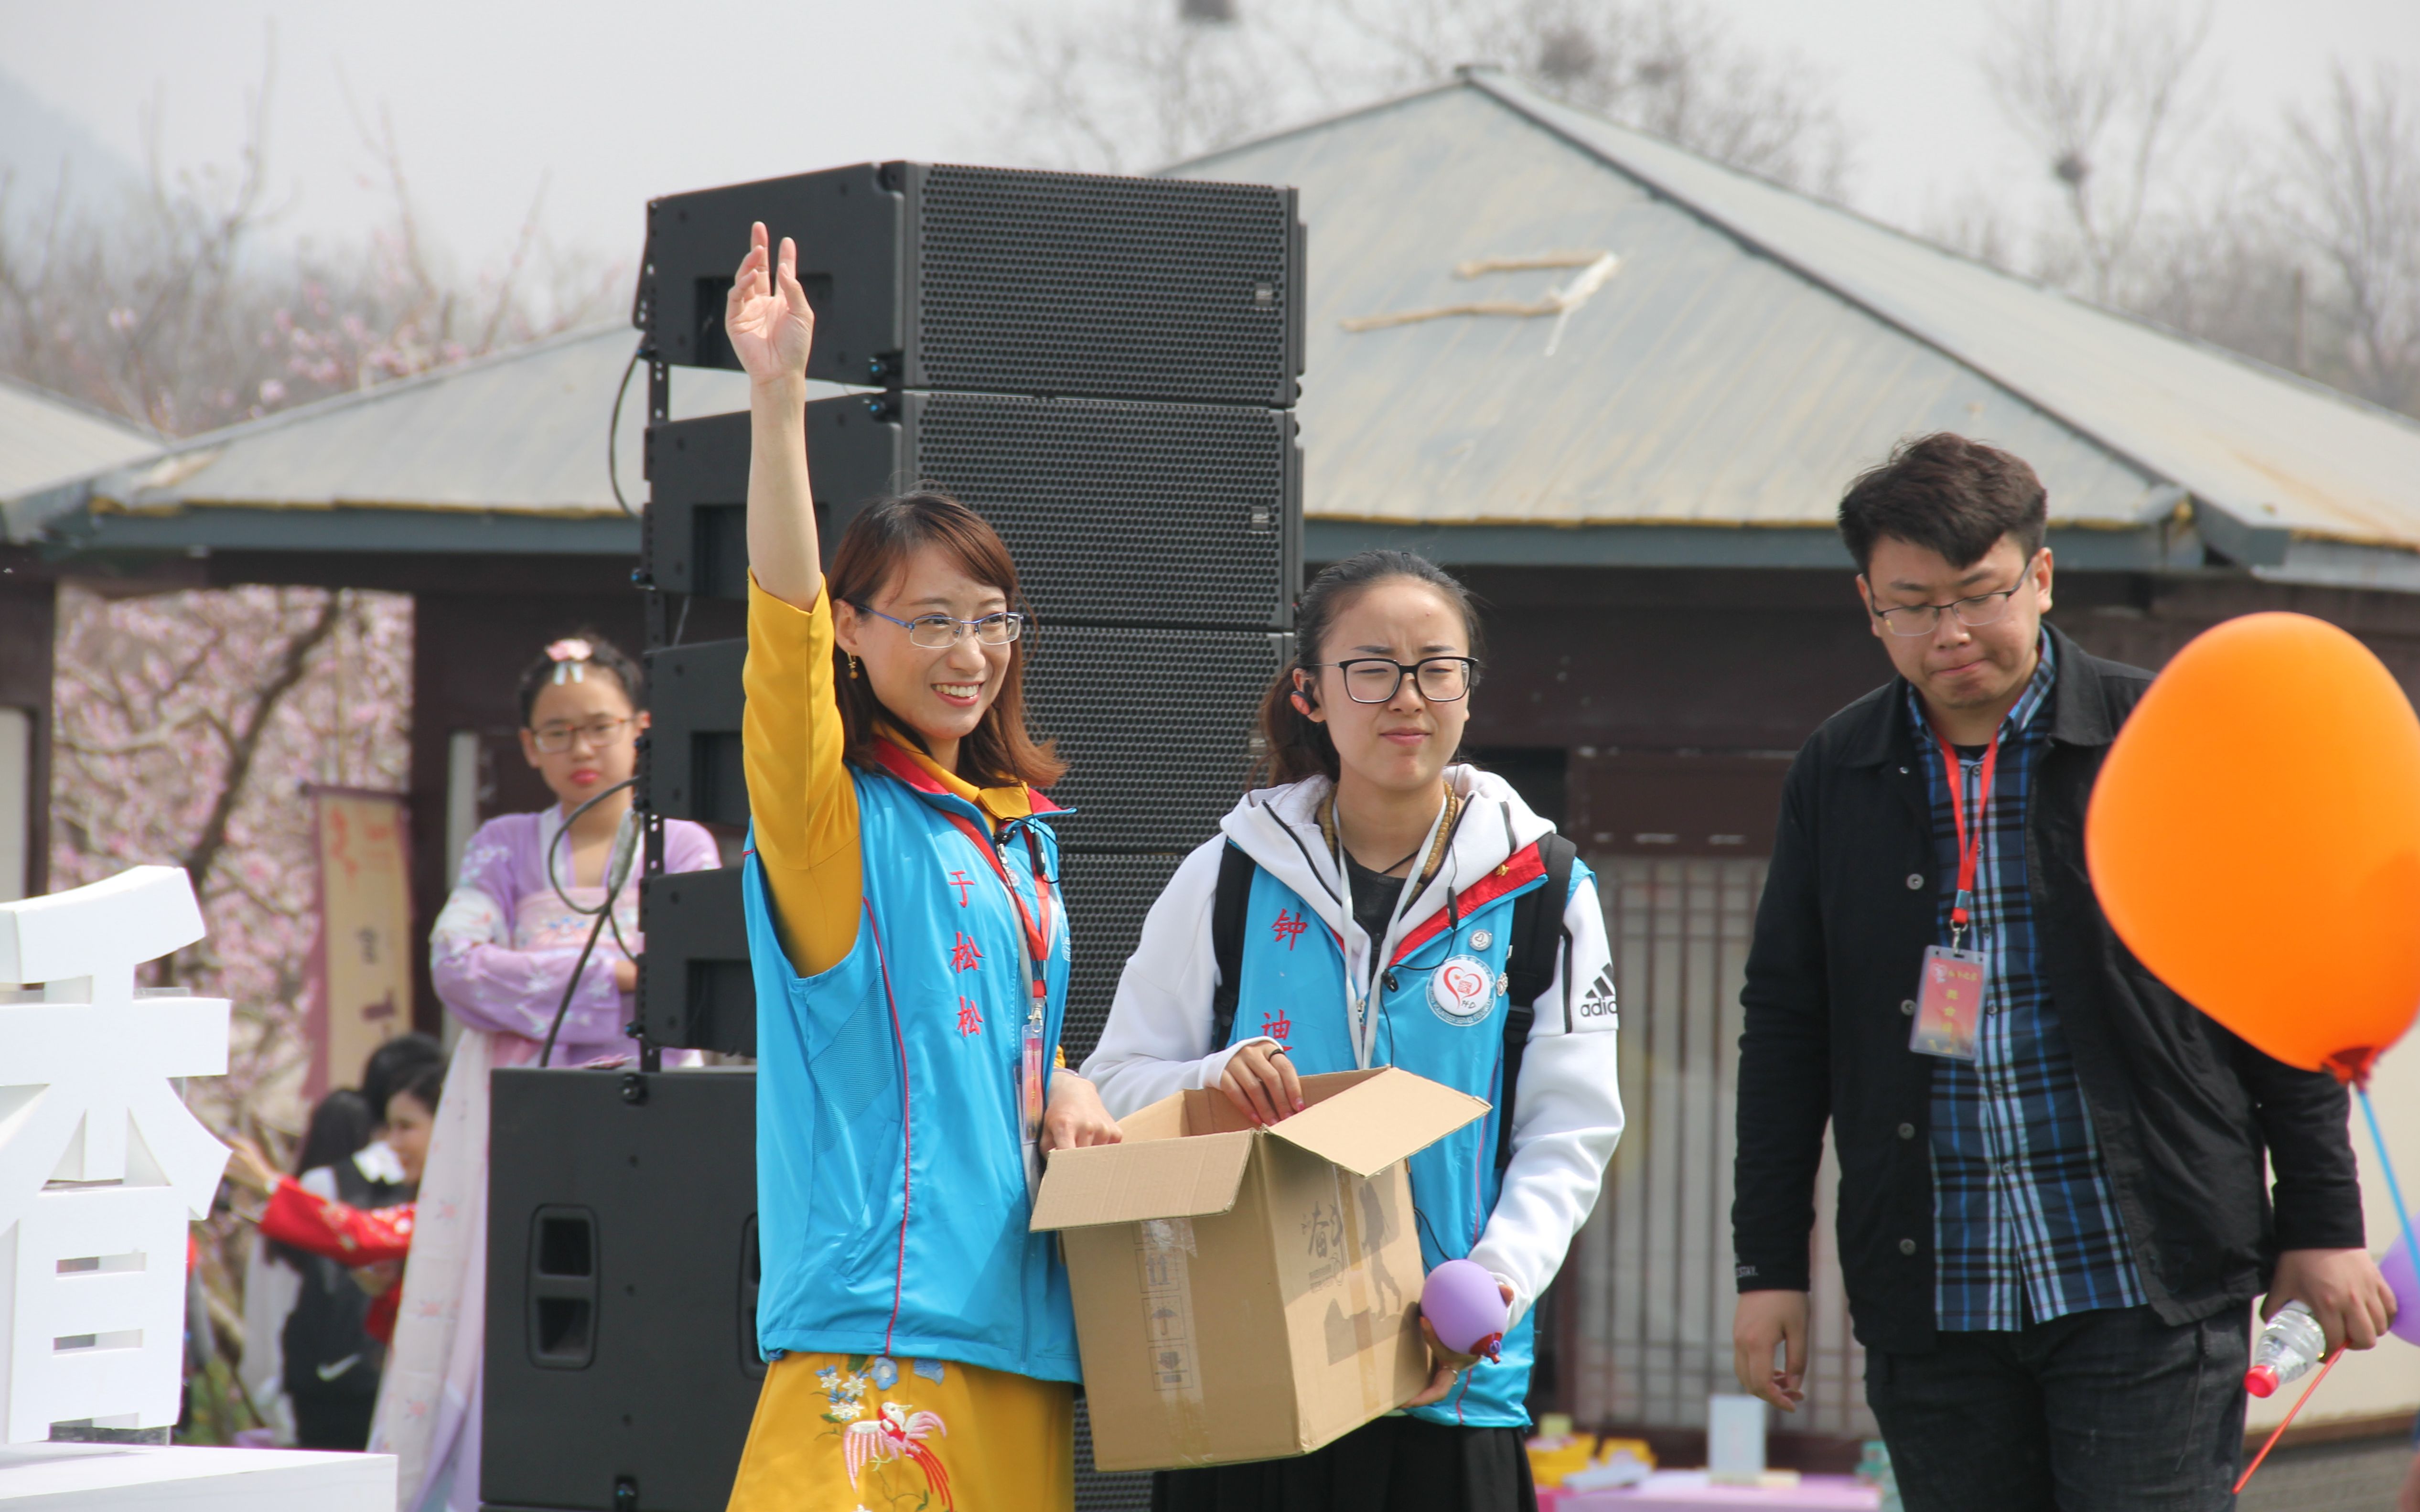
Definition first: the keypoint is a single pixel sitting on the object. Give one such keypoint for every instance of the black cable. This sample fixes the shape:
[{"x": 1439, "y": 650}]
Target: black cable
[
  {"x": 569, "y": 820},
  {"x": 572, "y": 986},
  {"x": 603, "y": 912},
  {"x": 613, "y": 430}
]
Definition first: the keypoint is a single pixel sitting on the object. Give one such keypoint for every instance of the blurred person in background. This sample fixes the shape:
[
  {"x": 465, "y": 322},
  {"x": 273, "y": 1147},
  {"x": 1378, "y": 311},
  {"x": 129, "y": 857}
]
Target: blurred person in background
[
  {"x": 320, "y": 1360},
  {"x": 506, "y": 957},
  {"x": 340, "y": 1127},
  {"x": 343, "y": 1156}
]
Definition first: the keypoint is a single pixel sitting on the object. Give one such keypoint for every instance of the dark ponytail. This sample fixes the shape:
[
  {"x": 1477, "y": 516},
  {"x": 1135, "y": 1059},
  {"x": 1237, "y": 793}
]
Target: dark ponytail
[{"x": 1293, "y": 746}]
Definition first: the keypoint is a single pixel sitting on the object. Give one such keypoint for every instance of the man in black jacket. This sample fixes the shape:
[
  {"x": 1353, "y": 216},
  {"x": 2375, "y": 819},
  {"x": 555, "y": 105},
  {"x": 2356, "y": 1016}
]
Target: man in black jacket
[{"x": 2052, "y": 1197}]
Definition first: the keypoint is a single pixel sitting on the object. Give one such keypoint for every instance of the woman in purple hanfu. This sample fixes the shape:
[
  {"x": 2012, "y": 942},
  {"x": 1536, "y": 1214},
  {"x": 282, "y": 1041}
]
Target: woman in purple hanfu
[{"x": 503, "y": 950}]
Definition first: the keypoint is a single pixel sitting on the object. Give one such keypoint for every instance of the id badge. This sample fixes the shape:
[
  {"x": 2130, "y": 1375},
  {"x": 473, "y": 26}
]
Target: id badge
[
  {"x": 1033, "y": 1095},
  {"x": 1949, "y": 1003}
]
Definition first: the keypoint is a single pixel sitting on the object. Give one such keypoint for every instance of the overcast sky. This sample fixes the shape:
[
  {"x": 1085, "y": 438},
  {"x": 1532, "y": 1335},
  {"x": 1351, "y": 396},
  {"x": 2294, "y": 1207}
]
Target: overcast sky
[{"x": 608, "y": 101}]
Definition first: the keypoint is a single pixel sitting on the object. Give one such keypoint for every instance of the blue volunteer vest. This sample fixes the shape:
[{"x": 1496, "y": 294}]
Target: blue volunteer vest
[
  {"x": 890, "y": 1192},
  {"x": 1440, "y": 1007}
]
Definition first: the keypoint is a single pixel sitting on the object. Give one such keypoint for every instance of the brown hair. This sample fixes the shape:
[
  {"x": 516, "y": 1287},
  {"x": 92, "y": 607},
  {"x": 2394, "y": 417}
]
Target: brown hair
[
  {"x": 1948, "y": 494},
  {"x": 1295, "y": 745},
  {"x": 875, "y": 549}
]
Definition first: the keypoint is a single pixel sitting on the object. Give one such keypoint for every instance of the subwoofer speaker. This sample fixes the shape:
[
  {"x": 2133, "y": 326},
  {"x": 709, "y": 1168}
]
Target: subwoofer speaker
[
  {"x": 1001, "y": 281},
  {"x": 621, "y": 1348}
]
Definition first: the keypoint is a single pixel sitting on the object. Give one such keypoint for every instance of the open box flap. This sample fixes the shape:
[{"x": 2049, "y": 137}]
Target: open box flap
[
  {"x": 1384, "y": 1116},
  {"x": 1142, "y": 1179}
]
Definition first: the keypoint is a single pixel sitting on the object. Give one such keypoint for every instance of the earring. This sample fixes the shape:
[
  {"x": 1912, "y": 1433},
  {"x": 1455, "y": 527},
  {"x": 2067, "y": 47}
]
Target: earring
[{"x": 852, "y": 668}]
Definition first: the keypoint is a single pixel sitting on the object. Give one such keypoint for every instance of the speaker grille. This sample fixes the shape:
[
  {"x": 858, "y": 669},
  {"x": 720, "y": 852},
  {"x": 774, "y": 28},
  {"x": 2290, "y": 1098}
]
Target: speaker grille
[
  {"x": 1098, "y": 1492},
  {"x": 1106, "y": 897},
  {"x": 1162, "y": 514},
  {"x": 1156, "y": 726},
  {"x": 1139, "y": 289}
]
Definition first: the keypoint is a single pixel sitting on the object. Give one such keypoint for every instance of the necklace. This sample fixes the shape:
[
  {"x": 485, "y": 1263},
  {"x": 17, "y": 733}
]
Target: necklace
[{"x": 1329, "y": 831}]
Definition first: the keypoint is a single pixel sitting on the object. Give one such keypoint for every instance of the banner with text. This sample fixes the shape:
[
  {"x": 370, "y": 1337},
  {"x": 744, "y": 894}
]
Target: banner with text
[{"x": 362, "y": 996}]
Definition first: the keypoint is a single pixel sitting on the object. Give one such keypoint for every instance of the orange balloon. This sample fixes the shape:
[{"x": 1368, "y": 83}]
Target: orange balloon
[{"x": 2254, "y": 839}]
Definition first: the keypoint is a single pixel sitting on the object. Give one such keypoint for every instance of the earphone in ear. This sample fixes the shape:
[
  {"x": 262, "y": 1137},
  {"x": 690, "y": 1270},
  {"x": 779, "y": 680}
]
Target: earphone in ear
[{"x": 1304, "y": 697}]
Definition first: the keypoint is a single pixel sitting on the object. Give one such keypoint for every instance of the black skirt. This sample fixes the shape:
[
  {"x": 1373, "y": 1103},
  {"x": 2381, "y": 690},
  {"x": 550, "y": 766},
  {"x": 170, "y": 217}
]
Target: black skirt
[{"x": 1395, "y": 1464}]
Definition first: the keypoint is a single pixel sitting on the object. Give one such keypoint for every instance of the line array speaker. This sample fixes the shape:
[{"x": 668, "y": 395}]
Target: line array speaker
[
  {"x": 1173, "y": 515},
  {"x": 696, "y": 990},
  {"x": 1107, "y": 894},
  {"x": 1156, "y": 725},
  {"x": 1104, "y": 368},
  {"x": 696, "y": 987},
  {"x": 1001, "y": 281},
  {"x": 694, "y": 769},
  {"x": 621, "y": 1328}
]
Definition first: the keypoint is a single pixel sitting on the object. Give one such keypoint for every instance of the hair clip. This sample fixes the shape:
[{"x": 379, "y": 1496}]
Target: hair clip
[{"x": 570, "y": 656}]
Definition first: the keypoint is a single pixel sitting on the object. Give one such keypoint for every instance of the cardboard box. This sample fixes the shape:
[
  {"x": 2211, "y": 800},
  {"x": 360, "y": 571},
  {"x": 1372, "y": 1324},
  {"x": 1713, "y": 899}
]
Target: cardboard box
[{"x": 1248, "y": 1293}]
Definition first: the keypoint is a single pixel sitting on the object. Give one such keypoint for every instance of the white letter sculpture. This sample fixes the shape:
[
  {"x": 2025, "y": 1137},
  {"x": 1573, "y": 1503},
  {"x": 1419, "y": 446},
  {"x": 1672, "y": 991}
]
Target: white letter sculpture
[{"x": 100, "y": 1162}]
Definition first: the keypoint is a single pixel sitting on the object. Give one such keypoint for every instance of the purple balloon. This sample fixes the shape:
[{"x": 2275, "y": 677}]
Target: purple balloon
[
  {"x": 2396, "y": 1268},
  {"x": 1462, "y": 1302}
]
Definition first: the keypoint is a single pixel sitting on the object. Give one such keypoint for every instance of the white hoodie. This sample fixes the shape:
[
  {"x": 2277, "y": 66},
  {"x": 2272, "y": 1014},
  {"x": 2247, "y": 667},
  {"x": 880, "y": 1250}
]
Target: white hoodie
[{"x": 1567, "y": 1113}]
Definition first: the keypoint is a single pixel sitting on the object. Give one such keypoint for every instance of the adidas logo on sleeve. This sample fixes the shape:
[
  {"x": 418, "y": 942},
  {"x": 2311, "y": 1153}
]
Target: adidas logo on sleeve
[{"x": 1595, "y": 1008}]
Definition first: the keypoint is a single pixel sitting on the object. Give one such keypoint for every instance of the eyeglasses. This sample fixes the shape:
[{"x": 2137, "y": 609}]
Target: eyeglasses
[
  {"x": 1376, "y": 679},
  {"x": 939, "y": 632},
  {"x": 557, "y": 738},
  {"x": 1973, "y": 611}
]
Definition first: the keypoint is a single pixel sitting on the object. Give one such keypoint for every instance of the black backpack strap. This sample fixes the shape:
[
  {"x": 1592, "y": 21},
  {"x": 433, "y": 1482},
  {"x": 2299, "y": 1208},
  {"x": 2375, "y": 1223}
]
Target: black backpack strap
[
  {"x": 1528, "y": 968},
  {"x": 1226, "y": 910}
]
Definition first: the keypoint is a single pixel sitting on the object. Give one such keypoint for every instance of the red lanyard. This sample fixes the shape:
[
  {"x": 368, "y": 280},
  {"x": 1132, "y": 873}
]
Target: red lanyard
[
  {"x": 1037, "y": 936},
  {"x": 1970, "y": 847}
]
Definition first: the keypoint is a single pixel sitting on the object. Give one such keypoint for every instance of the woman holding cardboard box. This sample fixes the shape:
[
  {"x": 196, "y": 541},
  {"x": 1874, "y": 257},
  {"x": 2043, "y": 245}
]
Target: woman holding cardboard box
[
  {"x": 910, "y": 957},
  {"x": 1368, "y": 911}
]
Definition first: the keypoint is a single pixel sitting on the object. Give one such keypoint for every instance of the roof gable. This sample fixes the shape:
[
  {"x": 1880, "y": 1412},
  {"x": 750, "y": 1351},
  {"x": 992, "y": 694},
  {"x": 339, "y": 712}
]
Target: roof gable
[
  {"x": 1754, "y": 350},
  {"x": 45, "y": 438}
]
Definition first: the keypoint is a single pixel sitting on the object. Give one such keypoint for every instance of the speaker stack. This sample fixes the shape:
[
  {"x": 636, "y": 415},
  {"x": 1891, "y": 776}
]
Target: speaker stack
[{"x": 1106, "y": 370}]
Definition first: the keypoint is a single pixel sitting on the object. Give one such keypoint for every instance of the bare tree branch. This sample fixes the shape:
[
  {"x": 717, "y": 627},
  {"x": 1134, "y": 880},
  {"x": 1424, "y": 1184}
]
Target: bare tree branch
[
  {"x": 245, "y": 746},
  {"x": 2358, "y": 168},
  {"x": 2103, "y": 92},
  {"x": 1121, "y": 85}
]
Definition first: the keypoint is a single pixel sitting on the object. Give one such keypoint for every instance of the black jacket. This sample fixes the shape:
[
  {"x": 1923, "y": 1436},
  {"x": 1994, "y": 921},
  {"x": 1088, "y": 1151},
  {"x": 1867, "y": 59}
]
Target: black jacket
[{"x": 2183, "y": 1110}]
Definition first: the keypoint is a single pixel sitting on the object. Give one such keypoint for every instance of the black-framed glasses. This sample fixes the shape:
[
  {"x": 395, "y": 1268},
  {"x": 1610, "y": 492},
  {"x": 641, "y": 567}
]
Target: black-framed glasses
[
  {"x": 1376, "y": 679},
  {"x": 939, "y": 632},
  {"x": 554, "y": 739},
  {"x": 1973, "y": 611}
]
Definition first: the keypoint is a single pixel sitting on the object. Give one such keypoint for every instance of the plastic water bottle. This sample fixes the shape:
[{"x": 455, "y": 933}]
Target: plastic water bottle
[{"x": 2289, "y": 1346}]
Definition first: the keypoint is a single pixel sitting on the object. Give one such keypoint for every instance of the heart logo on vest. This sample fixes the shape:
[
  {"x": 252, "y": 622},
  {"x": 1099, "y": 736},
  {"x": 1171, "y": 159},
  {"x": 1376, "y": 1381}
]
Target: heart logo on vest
[{"x": 1462, "y": 991}]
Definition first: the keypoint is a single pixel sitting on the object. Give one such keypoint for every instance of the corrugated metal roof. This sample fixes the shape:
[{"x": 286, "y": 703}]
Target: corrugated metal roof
[
  {"x": 518, "y": 433},
  {"x": 45, "y": 439},
  {"x": 1754, "y": 349}
]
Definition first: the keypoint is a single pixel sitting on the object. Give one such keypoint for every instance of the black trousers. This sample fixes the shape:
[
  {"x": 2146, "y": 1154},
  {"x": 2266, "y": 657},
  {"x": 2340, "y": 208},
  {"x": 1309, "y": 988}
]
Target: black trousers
[
  {"x": 332, "y": 1422},
  {"x": 1395, "y": 1464},
  {"x": 2090, "y": 1412}
]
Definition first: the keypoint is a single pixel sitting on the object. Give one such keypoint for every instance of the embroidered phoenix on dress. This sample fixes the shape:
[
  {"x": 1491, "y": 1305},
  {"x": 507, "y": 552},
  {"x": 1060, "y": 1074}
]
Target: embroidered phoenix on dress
[{"x": 897, "y": 1433}]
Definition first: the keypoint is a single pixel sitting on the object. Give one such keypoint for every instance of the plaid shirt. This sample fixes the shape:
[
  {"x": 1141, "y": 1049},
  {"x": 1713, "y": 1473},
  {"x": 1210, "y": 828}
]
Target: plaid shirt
[{"x": 2020, "y": 1197}]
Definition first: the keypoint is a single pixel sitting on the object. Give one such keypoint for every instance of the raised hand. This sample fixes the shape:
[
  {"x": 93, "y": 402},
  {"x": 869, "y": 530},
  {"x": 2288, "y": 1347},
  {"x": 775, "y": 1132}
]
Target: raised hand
[{"x": 766, "y": 316}]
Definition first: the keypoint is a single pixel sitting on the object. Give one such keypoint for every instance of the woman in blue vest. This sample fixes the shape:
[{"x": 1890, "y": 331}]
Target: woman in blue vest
[
  {"x": 1379, "y": 931},
  {"x": 910, "y": 956}
]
